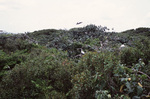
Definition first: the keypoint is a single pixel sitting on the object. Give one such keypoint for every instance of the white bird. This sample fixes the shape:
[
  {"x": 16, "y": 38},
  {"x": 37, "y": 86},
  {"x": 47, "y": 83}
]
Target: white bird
[
  {"x": 82, "y": 52},
  {"x": 122, "y": 46},
  {"x": 8, "y": 67}
]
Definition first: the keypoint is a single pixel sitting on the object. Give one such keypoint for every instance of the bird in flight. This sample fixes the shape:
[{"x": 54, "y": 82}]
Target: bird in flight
[{"x": 78, "y": 23}]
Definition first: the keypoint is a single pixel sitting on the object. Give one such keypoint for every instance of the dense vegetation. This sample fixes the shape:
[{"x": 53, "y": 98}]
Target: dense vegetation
[{"x": 80, "y": 63}]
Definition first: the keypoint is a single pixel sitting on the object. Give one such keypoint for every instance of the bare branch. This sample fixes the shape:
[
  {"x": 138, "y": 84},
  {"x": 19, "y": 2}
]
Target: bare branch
[{"x": 141, "y": 73}]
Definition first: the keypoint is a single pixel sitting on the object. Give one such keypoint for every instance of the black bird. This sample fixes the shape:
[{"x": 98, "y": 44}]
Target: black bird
[{"x": 78, "y": 23}]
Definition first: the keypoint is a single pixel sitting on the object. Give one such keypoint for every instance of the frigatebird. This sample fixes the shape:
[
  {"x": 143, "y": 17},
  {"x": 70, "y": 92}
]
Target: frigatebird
[{"x": 78, "y": 23}]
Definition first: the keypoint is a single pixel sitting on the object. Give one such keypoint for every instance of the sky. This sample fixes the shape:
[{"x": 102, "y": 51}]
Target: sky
[{"x": 19, "y": 16}]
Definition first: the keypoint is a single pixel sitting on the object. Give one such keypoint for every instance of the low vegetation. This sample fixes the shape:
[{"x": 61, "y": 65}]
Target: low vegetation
[{"x": 80, "y": 63}]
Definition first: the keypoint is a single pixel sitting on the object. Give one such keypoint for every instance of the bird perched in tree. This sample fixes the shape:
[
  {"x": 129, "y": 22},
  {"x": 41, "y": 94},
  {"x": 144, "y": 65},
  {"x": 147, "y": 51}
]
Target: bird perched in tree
[
  {"x": 78, "y": 23},
  {"x": 82, "y": 52},
  {"x": 122, "y": 46}
]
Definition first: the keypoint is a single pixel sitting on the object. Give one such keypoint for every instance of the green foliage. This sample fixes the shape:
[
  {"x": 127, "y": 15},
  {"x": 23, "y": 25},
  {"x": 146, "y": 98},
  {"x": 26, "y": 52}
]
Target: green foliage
[
  {"x": 102, "y": 94},
  {"x": 132, "y": 80},
  {"x": 130, "y": 56},
  {"x": 44, "y": 64},
  {"x": 5, "y": 34},
  {"x": 93, "y": 42},
  {"x": 9, "y": 44},
  {"x": 8, "y": 61},
  {"x": 142, "y": 30},
  {"x": 94, "y": 73},
  {"x": 143, "y": 45},
  {"x": 56, "y": 68}
]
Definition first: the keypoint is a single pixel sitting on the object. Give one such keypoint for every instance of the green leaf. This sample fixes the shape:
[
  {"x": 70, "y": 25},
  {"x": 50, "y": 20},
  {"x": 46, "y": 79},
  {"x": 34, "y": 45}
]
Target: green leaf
[
  {"x": 128, "y": 85},
  {"x": 144, "y": 76},
  {"x": 124, "y": 79},
  {"x": 139, "y": 90},
  {"x": 134, "y": 77}
]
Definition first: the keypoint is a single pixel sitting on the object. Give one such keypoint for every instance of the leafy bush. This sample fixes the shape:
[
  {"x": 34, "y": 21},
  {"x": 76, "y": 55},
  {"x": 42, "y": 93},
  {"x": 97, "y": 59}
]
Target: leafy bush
[
  {"x": 58, "y": 69},
  {"x": 94, "y": 73},
  {"x": 130, "y": 56},
  {"x": 13, "y": 44},
  {"x": 132, "y": 81},
  {"x": 8, "y": 61},
  {"x": 144, "y": 46},
  {"x": 42, "y": 75},
  {"x": 93, "y": 42}
]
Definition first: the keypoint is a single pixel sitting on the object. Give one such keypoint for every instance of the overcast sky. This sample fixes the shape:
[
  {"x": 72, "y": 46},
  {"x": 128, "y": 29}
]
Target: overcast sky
[{"x": 30, "y": 15}]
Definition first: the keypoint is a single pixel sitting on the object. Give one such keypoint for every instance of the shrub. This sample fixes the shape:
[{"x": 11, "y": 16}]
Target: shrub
[
  {"x": 8, "y": 61},
  {"x": 130, "y": 56},
  {"x": 44, "y": 74},
  {"x": 12, "y": 45},
  {"x": 144, "y": 46},
  {"x": 94, "y": 73},
  {"x": 132, "y": 81}
]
